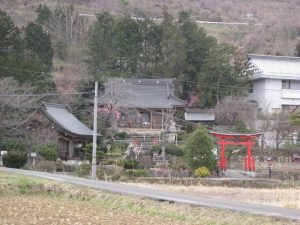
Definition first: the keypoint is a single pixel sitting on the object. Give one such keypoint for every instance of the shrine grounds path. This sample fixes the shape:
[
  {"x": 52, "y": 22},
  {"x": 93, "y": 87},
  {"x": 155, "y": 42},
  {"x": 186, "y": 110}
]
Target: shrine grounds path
[{"x": 162, "y": 195}]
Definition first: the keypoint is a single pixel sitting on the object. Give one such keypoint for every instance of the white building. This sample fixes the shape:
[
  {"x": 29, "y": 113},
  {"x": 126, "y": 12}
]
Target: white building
[{"x": 276, "y": 82}]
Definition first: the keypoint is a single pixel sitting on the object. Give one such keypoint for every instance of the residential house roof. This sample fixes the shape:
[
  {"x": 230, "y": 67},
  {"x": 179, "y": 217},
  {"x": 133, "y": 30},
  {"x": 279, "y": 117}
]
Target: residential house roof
[
  {"x": 200, "y": 115},
  {"x": 274, "y": 67},
  {"x": 65, "y": 121},
  {"x": 143, "y": 93}
]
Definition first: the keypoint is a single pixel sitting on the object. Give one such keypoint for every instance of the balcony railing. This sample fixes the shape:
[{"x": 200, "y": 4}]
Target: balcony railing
[{"x": 290, "y": 93}]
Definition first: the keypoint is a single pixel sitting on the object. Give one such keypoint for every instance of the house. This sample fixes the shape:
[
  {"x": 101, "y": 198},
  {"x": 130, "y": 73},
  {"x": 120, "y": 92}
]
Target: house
[
  {"x": 143, "y": 103},
  {"x": 206, "y": 116},
  {"x": 275, "y": 84},
  {"x": 72, "y": 134}
]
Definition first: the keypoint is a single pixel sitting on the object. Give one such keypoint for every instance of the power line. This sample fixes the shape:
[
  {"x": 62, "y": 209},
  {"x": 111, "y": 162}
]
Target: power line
[{"x": 43, "y": 95}]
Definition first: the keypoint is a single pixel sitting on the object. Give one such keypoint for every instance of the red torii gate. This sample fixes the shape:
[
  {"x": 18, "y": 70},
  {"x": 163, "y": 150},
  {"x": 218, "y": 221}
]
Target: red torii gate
[{"x": 249, "y": 161}]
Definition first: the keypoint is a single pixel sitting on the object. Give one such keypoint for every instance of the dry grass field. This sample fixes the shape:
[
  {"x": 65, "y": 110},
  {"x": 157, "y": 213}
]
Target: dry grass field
[
  {"x": 26, "y": 200},
  {"x": 286, "y": 198}
]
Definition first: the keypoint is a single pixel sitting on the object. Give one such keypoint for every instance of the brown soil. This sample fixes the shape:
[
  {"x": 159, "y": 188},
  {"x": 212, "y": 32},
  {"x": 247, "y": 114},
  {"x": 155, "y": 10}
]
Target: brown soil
[{"x": 44, "y": 210}]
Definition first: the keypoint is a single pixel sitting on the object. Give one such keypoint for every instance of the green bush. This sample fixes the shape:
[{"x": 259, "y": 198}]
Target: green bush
[
  {"x": 45, "y": 165},
  {"x": 156, "y": 148},
  {"x": 12, "y": 144},
  {"x": 121, "y": 135},
  {"x": 83, "y": 170},
  {"x": 130, "y": 164},
  {"x": 88, "y": 151},
  {"x": 14, "y": 159},
  {"x": 174, "y": 150},
  {"x": 202, "y": 172},
  {"x": 49, "y": 152}
]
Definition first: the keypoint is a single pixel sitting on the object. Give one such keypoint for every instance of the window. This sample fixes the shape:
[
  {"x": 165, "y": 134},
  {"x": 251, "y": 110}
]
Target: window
[
  {"x": 286, "y": 84},
  {"x": 250, "y": 90},
  {"x": 145, "y": 117}
]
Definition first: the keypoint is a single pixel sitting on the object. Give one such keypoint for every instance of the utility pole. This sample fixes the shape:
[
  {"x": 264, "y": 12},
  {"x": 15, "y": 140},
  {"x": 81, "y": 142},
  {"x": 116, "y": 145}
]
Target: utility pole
[{"x": 95, "y": 132}]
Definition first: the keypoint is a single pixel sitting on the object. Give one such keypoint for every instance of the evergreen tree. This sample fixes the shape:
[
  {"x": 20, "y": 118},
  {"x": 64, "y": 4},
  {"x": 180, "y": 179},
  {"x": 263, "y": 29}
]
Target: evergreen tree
[
  {"x": 11, "y": 46},
  {"x": 43, "y": 14},
  {"x": 198, "y": 48},
  {"x": 198, "y": 149},
  {"x": 173, "y": 45},
  {"x": 39, "y": 42},
  {"x": 101, "y": 53},
  {"x": 216, "y": 76},
  {"x": 127, "y": 41},
  {"x": 151, "y": 34}
]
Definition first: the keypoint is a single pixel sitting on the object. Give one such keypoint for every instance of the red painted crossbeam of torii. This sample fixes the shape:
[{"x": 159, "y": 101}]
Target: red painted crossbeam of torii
[{"x": 246, "y": 141}]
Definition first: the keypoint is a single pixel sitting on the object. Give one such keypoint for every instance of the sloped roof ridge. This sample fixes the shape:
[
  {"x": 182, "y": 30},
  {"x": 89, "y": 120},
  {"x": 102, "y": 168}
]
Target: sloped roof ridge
[
  {"x": 57, "y": 105},
  {"x": 253, "y": 56}
]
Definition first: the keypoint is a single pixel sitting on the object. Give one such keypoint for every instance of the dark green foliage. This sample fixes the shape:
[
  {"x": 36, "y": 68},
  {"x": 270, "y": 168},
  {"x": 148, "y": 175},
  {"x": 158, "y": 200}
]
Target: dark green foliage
[
  {"x": 294, "y": 118},
  {"x": 156, "y": 148},
  {"x": 121, "y": 135},
  {"x": 38, "y": 41},
  {"x": 174, "y": 150},
  {"x": 182, "y": 50},
  {"x": 240, "y": 127},
  {"x": 127, "y": 42},
  {"x": 14, "y": 159},
  {"x": 10, "y": 42},
  {"x": 12, "y": 144},
  {"x": 101, "y": 55},
  {"x": 49, "y": 152},
  {"x": 215, "y": 76},
  {"x": 198, "y": 150},
  {"x": 26, "y": 61},
  {"x": 43, "y": 14},
  {"x": 88, "y": 153},
  {"x": 10, "y": 38},
  {"x": 131, "y": 164}
]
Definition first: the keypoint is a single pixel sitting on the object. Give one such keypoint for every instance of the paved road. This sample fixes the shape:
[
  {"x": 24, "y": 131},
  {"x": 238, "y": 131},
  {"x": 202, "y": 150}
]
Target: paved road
[{"x": 165, "y": 196}]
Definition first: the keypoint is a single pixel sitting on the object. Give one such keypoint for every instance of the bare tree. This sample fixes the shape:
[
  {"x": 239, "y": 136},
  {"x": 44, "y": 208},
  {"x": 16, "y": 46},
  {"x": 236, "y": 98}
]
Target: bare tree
[
  {"x": 17, "y": 106},
  {"x": 232, "y": 109},
  {"x": 41, "y": 136}
]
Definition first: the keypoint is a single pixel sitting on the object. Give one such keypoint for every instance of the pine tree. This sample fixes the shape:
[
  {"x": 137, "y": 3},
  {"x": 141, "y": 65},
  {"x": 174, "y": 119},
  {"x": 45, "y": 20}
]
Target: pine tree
[{"x": 198, "y": 150}]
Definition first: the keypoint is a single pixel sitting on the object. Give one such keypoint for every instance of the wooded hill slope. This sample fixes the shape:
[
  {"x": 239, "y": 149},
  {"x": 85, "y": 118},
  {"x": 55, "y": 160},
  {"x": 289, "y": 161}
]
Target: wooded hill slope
[{"x": 274, "y": 29}]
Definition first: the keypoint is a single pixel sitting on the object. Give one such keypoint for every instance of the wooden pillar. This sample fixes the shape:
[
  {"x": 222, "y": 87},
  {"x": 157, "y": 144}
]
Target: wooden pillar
[
  {"x": 71, "y": 149},
  {"x": 151, "y": 120}
]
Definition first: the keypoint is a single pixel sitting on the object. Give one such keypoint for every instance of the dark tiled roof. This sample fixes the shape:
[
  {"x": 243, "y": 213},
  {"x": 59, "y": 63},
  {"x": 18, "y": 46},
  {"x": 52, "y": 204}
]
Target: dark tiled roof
[
  {"x": 144, "y": 93},
  {"x": 61, "y": 116}
]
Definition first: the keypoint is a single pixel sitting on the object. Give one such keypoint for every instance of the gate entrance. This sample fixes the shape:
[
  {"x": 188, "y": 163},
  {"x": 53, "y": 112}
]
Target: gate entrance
[{"x": 231, "y": 139}]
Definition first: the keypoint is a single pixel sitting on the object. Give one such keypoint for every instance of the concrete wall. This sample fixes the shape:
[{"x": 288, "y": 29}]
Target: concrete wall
[{"x": 270, "y": 96}]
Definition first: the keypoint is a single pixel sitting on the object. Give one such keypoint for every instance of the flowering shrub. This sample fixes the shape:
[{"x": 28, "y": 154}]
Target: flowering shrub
[{"x": 202, "y": 172}]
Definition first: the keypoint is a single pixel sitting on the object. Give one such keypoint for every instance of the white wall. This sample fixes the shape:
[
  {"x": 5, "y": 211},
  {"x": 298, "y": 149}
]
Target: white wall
[{"x": 270, "y": 95}]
